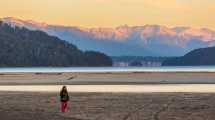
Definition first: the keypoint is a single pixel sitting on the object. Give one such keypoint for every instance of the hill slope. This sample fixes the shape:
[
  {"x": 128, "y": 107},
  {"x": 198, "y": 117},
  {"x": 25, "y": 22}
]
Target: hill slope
[
  {"x": 21, "y": 47},
  {"x": 202, "y": 56}
]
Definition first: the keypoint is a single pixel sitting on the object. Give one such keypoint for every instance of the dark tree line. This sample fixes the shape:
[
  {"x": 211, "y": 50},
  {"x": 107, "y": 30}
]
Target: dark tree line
[{"x": 20, "y": 47}]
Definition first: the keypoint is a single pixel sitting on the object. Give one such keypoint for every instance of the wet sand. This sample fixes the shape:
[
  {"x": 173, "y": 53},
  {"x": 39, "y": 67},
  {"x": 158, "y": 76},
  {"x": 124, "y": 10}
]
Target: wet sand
[
  {"x": 150, "y": 105},
  {"x": 108, "y": 106},
  {"x": 125, "y": 78}
]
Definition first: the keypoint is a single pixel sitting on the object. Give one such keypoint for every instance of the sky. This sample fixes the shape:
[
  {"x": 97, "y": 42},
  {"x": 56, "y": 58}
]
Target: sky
[{"x": 112, "y": 13}]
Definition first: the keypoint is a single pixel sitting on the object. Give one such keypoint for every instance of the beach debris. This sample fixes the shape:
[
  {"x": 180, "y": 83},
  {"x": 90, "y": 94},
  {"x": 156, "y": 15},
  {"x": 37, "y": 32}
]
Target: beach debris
[{"x": 73, "y": 77}]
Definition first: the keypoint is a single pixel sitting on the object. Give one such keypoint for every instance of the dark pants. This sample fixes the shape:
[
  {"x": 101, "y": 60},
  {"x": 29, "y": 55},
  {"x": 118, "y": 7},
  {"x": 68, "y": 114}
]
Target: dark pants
[{"x": 63, "y": 106}]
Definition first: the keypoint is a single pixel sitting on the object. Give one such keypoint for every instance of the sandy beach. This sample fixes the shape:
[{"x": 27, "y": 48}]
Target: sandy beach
[
  {"x": 108, "y": 106},
  {"x": 108, "y": 96}
]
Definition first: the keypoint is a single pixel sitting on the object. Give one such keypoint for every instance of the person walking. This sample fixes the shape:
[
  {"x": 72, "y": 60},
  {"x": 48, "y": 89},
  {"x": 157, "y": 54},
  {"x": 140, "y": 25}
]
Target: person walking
[{"x": 64, "y": 98}]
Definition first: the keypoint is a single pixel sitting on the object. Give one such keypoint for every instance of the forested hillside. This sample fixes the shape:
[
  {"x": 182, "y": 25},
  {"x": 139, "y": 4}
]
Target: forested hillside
[
  {"x": 197, "y": 57},
  {"x": 21, "y": 47}
]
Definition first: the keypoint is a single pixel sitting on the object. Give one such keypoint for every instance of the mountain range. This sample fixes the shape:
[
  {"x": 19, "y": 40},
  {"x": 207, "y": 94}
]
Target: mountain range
[{"x": 147, "y": 40}]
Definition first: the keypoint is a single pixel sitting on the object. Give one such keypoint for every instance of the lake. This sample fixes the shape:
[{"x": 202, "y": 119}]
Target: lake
[
  {"x": 194, "y": 88},
  {"x": 112, "y": 69}
]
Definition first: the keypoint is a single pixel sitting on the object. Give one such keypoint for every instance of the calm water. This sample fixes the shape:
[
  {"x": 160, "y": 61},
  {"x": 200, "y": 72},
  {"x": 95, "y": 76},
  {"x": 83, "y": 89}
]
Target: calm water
[
  {"x": 112, "y": 69},
  {"x": 195, "y": 88}
]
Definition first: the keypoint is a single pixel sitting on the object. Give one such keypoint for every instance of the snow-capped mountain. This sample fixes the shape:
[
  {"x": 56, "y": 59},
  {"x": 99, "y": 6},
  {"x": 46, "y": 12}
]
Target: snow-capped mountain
[{"x": 147, "y": 40}]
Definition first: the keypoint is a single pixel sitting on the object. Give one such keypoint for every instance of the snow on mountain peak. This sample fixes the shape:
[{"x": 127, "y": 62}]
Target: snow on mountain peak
[
  {"x": 158, "y": 30},
  {"x": 123, "y": 32},
  {"x": 198, "y": 33},
  {"x": 118, "y": 33},
  {"x": 30, "y": 24},
  {"x": 13, "y": 21}
]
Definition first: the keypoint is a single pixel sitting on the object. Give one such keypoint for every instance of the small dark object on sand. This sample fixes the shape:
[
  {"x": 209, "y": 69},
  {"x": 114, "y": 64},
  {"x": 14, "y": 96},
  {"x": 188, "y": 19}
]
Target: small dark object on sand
[
  {"x": 73, "y": 77},
  {"x": 40, "y": 73}
]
